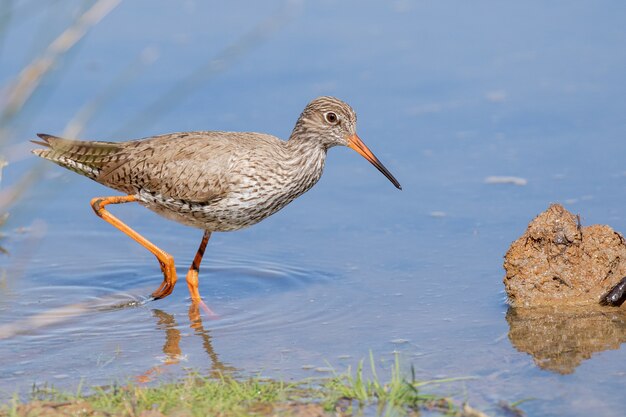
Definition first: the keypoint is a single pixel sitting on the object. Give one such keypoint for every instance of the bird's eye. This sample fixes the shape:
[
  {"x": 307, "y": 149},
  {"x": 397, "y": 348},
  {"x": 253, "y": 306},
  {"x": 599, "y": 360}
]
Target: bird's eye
[{"x": 331, "y": 118}]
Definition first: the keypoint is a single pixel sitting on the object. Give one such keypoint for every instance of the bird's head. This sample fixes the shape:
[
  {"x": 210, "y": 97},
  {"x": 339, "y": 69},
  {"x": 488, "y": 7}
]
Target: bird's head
[{"x": 332, "y": 122}]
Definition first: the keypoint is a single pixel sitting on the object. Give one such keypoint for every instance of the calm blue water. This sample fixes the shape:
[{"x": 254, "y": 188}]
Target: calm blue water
[{"x": 447, "y": 93}]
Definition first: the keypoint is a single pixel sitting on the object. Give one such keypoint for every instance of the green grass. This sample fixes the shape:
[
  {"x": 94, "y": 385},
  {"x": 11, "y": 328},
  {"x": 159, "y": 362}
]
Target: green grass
[
  {"x": 343, "y": 394},
  {"x": 398, "y": 395}
]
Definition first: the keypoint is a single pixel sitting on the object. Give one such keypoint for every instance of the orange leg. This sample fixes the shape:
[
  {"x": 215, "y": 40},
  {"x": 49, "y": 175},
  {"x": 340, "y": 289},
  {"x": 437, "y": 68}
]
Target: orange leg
[
  {"x": 165, "y": 259},
  {"x": 192, "y": 278},
  {"x": 192, "y": 275}
]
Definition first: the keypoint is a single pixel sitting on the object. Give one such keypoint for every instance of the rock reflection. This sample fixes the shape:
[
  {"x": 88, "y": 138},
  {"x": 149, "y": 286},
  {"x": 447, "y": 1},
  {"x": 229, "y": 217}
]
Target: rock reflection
[
  {"x": 561, "y": 339},
  {"x": 172, "y": 350}
]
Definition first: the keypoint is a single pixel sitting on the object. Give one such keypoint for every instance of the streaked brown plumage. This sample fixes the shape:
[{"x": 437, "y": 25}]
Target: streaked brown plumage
[{"x": 216, "y": 181}]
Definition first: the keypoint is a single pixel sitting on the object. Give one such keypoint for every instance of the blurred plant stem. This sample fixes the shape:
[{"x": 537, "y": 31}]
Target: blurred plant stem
[
  {"x": 26, "y": 83},
  {"x": 19, "y": 91}
]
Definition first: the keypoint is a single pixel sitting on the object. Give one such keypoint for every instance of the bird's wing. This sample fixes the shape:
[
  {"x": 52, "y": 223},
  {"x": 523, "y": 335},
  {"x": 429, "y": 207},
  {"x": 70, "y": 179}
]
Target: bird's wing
[{"x": 194, "y": 167}]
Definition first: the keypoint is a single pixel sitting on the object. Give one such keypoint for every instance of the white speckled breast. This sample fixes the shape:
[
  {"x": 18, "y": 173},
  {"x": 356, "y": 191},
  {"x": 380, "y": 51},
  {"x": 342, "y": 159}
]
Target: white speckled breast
[{"x": 258, "y": 193}]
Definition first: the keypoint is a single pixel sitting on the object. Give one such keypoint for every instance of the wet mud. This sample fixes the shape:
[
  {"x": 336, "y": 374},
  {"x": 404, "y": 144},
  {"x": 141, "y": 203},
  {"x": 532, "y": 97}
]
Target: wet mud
[
  {"x": 560, "y": 277},
  {"x": 558, "y": 262}
]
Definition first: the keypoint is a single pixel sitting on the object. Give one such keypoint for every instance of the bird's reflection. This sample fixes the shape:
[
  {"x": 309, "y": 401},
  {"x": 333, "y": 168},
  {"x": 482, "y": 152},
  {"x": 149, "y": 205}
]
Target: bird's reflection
[
  {"x": 560, "y": 339},
  {"x": 171, "y": 348}
]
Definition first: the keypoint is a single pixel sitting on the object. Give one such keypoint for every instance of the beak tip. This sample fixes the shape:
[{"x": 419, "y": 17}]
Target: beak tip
[{"x": 355, "y": 143}]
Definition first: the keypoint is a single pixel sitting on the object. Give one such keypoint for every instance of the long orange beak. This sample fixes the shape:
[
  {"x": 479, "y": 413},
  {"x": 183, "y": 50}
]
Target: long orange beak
[{"x": 357, "y": 144}]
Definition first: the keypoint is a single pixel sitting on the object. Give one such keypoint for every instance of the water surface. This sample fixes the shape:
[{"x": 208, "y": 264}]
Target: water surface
[{"x": 447, "y": 94}]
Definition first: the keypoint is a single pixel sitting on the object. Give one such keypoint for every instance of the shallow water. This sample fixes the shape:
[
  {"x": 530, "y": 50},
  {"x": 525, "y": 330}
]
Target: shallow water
[{"x": 447, "y": 94}]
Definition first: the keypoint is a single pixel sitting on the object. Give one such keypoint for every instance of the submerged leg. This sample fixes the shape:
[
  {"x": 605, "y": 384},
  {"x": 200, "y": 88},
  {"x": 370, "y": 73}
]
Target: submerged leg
[
  {"x": 166, "y": 261},
  {"x": 192, "y": 280},
  {"x": 192, "y": 275}
]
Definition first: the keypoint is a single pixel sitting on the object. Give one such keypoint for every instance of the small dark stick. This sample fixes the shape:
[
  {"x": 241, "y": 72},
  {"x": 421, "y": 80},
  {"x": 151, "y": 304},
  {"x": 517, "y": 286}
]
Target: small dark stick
[{"x": 616, "y": 296}]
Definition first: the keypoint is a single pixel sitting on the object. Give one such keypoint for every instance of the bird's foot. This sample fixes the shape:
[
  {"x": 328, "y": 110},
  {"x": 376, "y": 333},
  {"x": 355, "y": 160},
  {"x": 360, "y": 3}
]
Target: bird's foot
[{"x": 194, "y": 310}]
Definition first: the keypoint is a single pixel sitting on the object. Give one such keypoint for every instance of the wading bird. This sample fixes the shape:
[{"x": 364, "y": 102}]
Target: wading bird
[{"x": 215, "y": 181}]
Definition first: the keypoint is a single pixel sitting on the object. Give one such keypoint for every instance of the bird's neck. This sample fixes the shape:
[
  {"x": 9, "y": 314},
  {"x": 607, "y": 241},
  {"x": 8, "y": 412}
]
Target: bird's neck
[{"x": 305, "y": 159}]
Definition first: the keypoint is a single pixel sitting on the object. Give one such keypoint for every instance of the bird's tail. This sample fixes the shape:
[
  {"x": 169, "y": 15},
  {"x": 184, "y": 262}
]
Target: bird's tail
[{"x": 85, "y": 158}]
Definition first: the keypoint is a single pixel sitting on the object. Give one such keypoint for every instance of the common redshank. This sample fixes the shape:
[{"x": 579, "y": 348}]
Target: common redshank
[{"x": 215, "y": 181}]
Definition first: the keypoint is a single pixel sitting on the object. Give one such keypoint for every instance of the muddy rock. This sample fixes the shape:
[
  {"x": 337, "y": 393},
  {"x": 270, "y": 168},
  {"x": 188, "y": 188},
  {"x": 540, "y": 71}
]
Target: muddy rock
[{"x": 559, "y": 262}]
